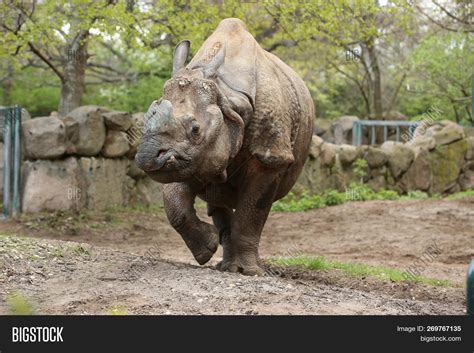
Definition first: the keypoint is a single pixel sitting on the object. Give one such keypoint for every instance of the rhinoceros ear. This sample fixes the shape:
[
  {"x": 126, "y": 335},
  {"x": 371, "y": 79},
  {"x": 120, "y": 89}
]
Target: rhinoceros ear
[
  {"x": 180, "y": 55},
  {"x": 210, "y": 70}
]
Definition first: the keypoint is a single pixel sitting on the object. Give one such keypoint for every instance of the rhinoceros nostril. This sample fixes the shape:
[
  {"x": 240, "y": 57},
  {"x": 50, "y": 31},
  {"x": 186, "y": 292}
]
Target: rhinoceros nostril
[{"x": 161, "y": 153}]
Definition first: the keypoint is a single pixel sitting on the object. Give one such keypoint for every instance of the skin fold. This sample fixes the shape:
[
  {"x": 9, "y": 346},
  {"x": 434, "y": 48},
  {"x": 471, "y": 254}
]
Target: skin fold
[{"x": 233, "y": 127}]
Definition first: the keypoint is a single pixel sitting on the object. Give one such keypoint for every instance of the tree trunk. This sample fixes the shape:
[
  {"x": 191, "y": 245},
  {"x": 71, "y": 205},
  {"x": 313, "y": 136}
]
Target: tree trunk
[
  {"x": 377, "y": 81},
  {"x": 73, "y": 82},
  {"x": 7, "y": 85}
]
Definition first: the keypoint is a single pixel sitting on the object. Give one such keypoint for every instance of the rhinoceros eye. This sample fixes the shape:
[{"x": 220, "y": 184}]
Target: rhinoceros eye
[{"x": 195, "y": 129}]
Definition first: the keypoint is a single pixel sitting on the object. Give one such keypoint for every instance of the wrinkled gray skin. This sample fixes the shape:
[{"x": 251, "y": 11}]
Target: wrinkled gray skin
[{"x": 233, "y": 127}]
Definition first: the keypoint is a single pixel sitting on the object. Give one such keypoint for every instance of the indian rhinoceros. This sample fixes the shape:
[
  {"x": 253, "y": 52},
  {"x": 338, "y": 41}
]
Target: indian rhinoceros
[{"x": 232, "y": 127}]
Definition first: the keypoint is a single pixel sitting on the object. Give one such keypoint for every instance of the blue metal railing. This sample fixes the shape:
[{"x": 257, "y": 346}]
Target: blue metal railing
[
  {"x": 11, "y": 160},
  {"x": 357, "y": 129}
]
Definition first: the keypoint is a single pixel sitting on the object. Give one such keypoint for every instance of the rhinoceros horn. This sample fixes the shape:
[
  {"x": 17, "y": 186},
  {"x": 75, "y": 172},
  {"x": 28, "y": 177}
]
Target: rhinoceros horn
[{"x": 159, "y": 116}]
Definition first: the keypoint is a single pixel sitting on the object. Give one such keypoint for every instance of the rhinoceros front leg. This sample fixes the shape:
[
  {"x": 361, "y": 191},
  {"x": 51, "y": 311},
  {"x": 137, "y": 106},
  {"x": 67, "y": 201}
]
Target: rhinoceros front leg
[
  {"x": 251, "y": 213},
  {"x": 200, "y": 237}
]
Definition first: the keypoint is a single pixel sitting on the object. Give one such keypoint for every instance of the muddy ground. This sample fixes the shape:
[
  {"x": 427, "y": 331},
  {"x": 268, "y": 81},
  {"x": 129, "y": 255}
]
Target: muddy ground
[{"x": 134, "y": 261}]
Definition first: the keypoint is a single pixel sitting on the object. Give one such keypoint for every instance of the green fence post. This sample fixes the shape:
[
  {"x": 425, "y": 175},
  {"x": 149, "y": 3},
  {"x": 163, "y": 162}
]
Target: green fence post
[
  {"x": 16, "y": 160},
  {"x": 470, "y": 289}
]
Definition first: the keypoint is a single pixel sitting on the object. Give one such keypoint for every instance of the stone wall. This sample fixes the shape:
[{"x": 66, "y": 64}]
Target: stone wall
[
  {"x": 439, "y": 160},
  {"x": 85, "y": 161}
]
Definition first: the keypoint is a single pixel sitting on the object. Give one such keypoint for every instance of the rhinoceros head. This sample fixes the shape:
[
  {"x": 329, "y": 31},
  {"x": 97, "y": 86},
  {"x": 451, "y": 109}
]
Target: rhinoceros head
[{"x": 192, "y": 131}]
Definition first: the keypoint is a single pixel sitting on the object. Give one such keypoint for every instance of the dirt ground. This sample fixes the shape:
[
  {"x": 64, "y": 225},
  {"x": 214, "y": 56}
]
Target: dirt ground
[{"x": 133, "y": 260}]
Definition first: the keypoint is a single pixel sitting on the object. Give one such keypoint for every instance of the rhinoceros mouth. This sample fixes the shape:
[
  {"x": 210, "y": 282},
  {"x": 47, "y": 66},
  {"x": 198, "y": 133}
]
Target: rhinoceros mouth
[{"x": 164, "y": 160}]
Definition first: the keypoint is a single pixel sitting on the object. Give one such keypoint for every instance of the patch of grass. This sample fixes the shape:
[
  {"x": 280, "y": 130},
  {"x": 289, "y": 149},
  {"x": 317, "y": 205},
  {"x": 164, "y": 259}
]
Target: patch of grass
[
  {"x": 355, "y": 192},
  {"x": 291, "y": 203},
  {"x": 18, "y": 304},
  {"x": 461, "y": 194},
  {"x": 355, "y": 269},
  {"x": 57, "y": 251},
  {"x": 80, "y": 250},
  {"x": 360, "y": 167}
]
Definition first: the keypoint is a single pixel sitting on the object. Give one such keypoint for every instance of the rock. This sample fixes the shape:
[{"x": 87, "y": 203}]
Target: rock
[
  {"x": 399, "y": 157},
  {"x": 342, "y": 129},
  {"x": 418, "y": 176},
  {"x": 116, "y": 144},
  {"x": 149, "y": 192},
  {"x": 470, "y": 148},
  {"x": 375, "y": 157},
  {"x": 448, "y": 133},
  {"x": 377, "y": 183},
  {"x": 328, "y": 154},
  {"x": 44, "y": 138},
  {"x": 445, "y": 165},
  {"x": 376, "y": 172},
  {"x": 135, "y": 172},
  {"x": 52, "y": 186},
  {"x": 72, "y": 134},
  {"x": 105, "y": 180},
  {"x": 347, "y": 154},
  {"x": 91, "y": 129},
  {"x": 466, "y": 179},
  {"x": 426, "y": 142},
  {"x": 315, "y": 147},
  {"x": 121, "y": 121}
]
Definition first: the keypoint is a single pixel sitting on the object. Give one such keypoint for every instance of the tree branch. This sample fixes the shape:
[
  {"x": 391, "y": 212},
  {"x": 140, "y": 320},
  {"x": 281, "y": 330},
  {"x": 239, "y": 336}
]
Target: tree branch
[{"x": 46, "y": 61}]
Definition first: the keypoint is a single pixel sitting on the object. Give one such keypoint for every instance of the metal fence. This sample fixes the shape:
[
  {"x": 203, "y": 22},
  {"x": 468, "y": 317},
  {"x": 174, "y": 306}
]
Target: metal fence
[
  {"x": 11, "y": 121},
  {"x": 358, "y": 126}
]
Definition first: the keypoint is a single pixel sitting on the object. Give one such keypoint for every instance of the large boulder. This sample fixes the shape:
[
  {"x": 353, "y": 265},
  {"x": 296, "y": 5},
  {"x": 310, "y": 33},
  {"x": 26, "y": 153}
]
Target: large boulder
[
  {"x": 422, "y": 141},
  {"x": 72, "y": 134},
  {"x": 446, "y": 132},
  {"x": 52, "y": 186},
  {"x": 328, "y": 154},
  {"x": 375, "y": 157},
  {"x": 347, "y": 154},
  {"x": 115, "y": 120},
  {"x": 399, "y": 157},
  {"x": 466, "y": 179},
  {"x": 91, "y": 129},
  {"x": 442, "y": 132},
  {"x": 44, "y": 138},
  {"x": 105, "y": 180},
  {"x": 116, "y": 144},
  {"x": 445, "y": 165},
  {"x": 418, "y": 176},
  {"x": 315, "y": 147},
  {"x": 342, "y": 129}
]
